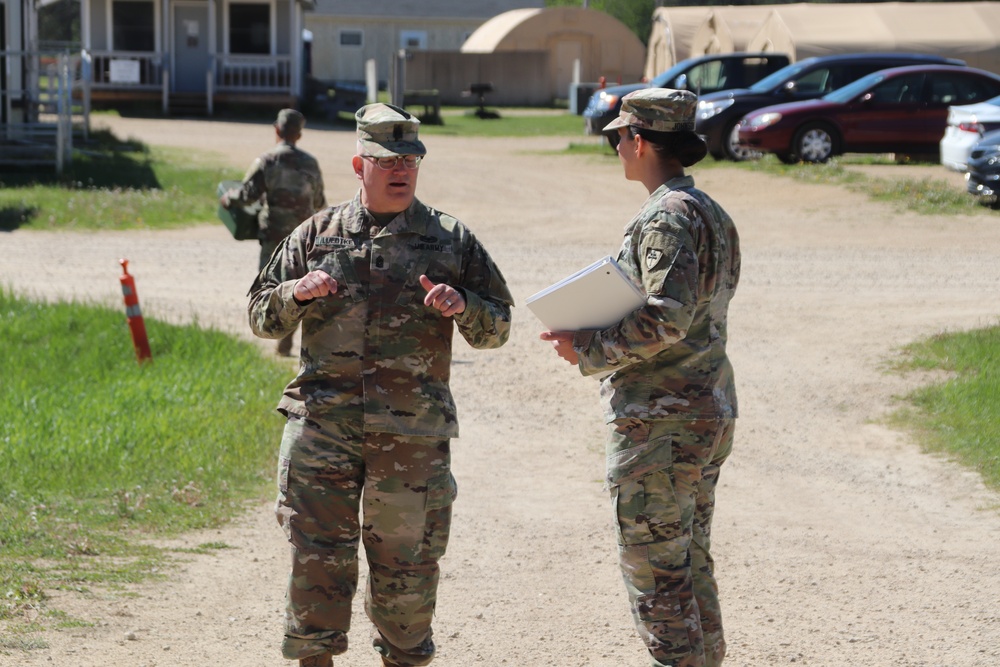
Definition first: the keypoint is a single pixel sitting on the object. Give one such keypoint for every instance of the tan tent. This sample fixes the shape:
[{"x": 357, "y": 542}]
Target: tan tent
[
  {"x": 727, "y": 29},
  {"x": 966, "y": 30},
  {"x": 603, "y": 45},
  {"x": 670, "y": 37}
]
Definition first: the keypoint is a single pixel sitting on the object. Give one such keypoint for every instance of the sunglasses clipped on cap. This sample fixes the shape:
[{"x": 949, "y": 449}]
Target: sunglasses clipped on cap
[{"x": 614, "y": 138}]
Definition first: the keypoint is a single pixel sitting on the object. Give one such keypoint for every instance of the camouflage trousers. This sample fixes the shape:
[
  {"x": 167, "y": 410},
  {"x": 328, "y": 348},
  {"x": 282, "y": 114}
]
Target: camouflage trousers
[
  {"x": 662, "y": 477},
  {"x": 404, "y": 489}
]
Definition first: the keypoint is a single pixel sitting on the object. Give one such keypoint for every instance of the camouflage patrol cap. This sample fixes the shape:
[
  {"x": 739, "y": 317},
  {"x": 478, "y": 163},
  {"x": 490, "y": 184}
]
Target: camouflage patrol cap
[
  {"x": 657, "y": 110},
  {"x": 385, "y": 130},
  {"x": 289, "y": 121}
]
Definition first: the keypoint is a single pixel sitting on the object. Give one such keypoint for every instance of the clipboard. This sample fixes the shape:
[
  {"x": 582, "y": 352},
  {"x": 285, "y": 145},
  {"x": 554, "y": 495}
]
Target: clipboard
[{"x": 594, "y": 297}]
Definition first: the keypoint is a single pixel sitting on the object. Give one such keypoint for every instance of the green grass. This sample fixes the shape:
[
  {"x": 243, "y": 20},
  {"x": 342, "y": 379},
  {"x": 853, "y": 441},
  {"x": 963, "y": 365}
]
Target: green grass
[
  {"x": 114, "y": 184},
  {"x": 511, "y": 123},
  {"x": 101, "y": 453},
  {"x": 960, "y": 416},
  {"x": 927, "y": 196}
]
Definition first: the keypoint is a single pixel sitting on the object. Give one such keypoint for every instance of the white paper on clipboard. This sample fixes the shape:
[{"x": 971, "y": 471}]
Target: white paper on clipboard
[{"x": 592, "y": 298}]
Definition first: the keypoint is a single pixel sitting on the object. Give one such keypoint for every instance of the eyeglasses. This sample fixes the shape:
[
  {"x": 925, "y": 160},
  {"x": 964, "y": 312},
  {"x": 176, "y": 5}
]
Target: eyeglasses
[{"x": 389, "y": 163}]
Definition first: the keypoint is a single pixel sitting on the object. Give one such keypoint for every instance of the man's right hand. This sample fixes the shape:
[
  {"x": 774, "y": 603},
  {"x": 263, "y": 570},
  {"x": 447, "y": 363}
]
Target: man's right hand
[{"x": 314, "y": 285}]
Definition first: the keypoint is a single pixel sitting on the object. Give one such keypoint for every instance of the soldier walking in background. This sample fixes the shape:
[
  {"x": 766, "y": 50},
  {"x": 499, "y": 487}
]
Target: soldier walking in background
[
  {"x": 379, "y": 283},
  {"x": 669, "y": 397},
  {"x": 289, "y": 183}
]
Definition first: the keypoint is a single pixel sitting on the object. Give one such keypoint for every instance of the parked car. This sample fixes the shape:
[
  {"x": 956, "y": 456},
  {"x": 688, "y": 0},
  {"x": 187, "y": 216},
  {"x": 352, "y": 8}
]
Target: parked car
[
  {"x": 719, "y": 114},
  {"x": 899, "y": 110},
  {"x": 704, "y": 74},
  {"x": 983, "y": 177},
  {"x": 967, "y": 124}
]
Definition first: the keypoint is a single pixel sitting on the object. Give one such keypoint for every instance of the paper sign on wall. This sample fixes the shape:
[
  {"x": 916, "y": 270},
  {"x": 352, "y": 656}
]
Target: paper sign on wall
[{"x": 124, "y": 71}]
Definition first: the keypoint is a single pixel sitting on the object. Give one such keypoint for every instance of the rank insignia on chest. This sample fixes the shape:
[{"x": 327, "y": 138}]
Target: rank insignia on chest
[{"x": 653, "y": 257}]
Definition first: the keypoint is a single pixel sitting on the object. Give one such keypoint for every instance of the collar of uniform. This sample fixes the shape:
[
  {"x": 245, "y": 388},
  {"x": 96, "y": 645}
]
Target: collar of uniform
[
  {"x": 414, "y": 219},
  {"x": 677, "y": 183},
  {"x": 356, "y": 215},
  {"x": 655, "y": 195}
]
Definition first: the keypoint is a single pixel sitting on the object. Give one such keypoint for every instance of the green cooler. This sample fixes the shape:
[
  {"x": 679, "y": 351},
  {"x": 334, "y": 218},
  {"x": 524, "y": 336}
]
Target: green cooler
[{"x": 241, "y": 221}]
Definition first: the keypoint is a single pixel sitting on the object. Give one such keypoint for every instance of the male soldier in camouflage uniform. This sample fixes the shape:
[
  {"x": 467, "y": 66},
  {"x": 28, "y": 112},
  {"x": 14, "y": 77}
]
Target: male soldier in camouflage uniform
[
  {"x": 379, "y": 283},
  {"x": 669, "y": 399},
  {"x": 289, "y": 182}
]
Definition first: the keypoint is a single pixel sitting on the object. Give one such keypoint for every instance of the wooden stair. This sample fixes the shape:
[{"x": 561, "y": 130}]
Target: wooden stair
[{"x": 188, "y": 104}]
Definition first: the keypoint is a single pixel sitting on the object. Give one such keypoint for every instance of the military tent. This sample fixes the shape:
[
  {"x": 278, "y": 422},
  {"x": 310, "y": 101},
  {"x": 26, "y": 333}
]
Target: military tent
[
  {"x": 603, "y": 45},
  {"x": 670, "y": 37},
  {"x": 966, "y": 30},
  {"x": 727, "y": 29}
]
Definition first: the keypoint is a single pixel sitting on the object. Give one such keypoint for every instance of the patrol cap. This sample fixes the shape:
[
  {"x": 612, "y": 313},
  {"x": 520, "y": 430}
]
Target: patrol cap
[
  {"x": 289, "y": 121},
  {"x": 385, "y": 130},
  {"x": 657, "y": 110}
]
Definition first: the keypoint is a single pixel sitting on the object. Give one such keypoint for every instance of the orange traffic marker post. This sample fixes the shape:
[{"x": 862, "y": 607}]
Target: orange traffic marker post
[{"x": 135, "y": 322}]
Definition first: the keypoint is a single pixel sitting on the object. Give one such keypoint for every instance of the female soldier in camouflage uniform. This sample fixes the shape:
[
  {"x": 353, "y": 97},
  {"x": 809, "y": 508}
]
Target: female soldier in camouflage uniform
[{"x": 669, "y": 399}]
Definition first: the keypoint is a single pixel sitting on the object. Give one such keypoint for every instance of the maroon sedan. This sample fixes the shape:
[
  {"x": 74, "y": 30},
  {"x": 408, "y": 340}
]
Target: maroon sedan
[{"x": 897, "y": 110}]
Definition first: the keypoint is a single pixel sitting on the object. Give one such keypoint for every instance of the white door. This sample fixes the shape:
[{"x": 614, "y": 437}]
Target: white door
[{"x": 190, "y": 57}]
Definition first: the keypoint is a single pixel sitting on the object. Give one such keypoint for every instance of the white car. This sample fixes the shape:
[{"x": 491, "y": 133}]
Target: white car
[{"x": 966, "y": 126}]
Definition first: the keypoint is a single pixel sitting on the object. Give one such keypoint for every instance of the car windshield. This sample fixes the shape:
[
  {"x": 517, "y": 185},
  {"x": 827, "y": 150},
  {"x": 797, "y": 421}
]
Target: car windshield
[
  {"x": 772, "y": 81},
  {"x": 850, "y": 91}
]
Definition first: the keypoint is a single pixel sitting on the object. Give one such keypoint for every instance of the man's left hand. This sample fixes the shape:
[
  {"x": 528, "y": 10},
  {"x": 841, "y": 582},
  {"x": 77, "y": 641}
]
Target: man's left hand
[{"x": 445, "y": 298}]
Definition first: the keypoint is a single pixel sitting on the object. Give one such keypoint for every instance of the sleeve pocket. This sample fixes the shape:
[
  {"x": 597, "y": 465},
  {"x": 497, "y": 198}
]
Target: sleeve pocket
[{"x": 657, "y": 254}]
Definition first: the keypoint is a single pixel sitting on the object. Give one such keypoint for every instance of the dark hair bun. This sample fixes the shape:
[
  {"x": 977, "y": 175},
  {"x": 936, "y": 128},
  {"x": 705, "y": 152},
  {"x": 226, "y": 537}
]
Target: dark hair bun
[{"x": 686, "y": 146}]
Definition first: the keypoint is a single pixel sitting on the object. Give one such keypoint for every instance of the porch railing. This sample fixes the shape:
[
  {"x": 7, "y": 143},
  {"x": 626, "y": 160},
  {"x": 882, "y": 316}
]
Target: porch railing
[
  {"x": 127, "y": 70},
  {"x": 253, "y": 74}
]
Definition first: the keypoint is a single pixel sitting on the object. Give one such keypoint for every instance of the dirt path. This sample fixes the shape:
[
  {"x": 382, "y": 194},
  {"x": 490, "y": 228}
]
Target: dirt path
[{"x": 837, "y": 541}]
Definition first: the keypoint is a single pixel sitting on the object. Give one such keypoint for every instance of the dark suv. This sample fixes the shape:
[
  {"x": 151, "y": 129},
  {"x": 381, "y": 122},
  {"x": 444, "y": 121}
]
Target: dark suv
[
  {"x": 719, "y": 113},
  {"x": 704, "y": 74}
]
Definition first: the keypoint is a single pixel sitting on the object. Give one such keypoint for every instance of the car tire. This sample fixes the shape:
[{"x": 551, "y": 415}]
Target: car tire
[
  {"x": 815, "y": 142},
  {"x": 731, "y": 147}
]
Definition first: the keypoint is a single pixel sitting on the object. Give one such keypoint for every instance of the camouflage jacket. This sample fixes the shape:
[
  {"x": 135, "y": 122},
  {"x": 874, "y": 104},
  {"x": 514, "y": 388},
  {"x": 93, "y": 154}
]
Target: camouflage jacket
[
  {"x": 667, "y": 360},
  {"x": 373, "y": 353},
  {"x": 289, "y": 183}
]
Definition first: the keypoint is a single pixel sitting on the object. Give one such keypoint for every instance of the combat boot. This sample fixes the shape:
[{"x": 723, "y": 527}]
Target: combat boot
[{"x": 321, "y": 660}]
